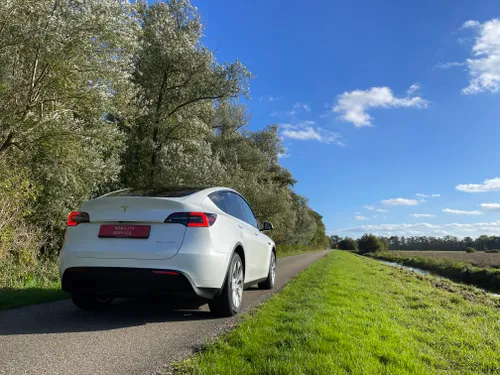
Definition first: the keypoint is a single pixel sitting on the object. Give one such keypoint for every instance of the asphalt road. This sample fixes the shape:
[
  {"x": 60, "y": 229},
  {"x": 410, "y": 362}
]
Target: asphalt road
[{"x": 132, "y": 337}]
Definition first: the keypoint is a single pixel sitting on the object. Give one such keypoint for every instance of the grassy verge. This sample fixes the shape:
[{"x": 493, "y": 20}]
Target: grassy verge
[
  {"x": 352, "y": 315},
  {"x": 22, "y": 285},
  {"x": 460, "y": 271}
]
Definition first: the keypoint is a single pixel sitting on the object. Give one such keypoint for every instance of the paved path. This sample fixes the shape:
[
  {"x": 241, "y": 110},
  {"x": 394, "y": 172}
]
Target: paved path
[{"x": 132, "y": 337}]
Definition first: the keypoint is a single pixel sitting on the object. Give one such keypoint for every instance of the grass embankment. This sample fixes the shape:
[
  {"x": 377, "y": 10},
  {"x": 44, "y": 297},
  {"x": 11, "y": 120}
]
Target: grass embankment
[
  {"x": 23, "y": 285},
  {"x": 352, "y": 315},
  {"x": 457, "y": 270}
]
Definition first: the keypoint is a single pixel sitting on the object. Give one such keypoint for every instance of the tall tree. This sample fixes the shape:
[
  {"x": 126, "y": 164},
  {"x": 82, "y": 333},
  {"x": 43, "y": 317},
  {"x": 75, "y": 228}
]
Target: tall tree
[
  {"x": 180, "y": 82},
  {"x": 64, "y": 64}
]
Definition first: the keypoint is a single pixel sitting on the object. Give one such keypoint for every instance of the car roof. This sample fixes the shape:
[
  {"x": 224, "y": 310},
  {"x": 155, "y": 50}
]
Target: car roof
[{"x": 185, "y": 193}]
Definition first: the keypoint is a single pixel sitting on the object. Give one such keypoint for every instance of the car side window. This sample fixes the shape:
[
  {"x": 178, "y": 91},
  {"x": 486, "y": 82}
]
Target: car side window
[
  {"x": 233, "y": 206},
  {"x": 249, "y": 216},
  {"x": 218, "y": 199}
]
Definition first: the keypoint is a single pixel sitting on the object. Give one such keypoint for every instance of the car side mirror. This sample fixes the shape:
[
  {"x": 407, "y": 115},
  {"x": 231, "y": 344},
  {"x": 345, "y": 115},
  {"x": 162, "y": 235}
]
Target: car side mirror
[{"x": 266, "y": 225}]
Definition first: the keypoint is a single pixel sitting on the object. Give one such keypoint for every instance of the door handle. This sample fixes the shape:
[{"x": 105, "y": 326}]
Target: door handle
[
  {"x": 241, "y": 226},
  {"x": 256, "y": 234}
]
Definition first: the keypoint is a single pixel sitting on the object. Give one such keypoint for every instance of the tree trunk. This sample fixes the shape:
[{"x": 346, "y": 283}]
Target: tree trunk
[{"x": 7, "y": 143}]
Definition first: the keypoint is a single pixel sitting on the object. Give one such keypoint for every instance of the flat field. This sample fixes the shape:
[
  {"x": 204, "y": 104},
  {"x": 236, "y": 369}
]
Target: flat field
[{"x": 479, "y": 258}]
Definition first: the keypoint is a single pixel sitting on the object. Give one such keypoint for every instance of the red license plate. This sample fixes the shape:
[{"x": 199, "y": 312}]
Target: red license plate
[{"x": 124, "y": 231}]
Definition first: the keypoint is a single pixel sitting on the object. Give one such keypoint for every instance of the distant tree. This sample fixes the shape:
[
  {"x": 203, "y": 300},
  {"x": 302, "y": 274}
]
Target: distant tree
[
  {"x": 334, "y": 241},
  {"x": 394, "y": 243},
  {"x": 468, "y": 242},
  {"x": 470, "y": 250},
  {"x": 384, "y": 243},
  {"x": 369, "y": 243},
  {"x": 348, "y": 244}
]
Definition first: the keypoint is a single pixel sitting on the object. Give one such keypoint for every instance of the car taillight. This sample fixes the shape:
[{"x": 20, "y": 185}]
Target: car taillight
[
  {"x": 75, "y": 218},
  {"x": 192, "y": 219}
]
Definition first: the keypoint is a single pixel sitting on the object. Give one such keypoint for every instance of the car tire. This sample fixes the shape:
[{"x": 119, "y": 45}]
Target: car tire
[
  {"x": 271, "y": 277},
  {"x": 90, "y": 302},
  {"x": 229, "y": 301}
]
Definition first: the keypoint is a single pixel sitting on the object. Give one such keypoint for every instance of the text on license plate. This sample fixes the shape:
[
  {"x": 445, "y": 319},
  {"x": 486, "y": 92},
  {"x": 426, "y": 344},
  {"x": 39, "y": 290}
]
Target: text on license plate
[{"x": 124, "y": 231}]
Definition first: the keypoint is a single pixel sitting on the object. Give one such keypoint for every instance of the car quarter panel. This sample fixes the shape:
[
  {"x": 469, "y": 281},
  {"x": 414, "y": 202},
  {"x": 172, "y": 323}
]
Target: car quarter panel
[{"x": 225, "y": 233}]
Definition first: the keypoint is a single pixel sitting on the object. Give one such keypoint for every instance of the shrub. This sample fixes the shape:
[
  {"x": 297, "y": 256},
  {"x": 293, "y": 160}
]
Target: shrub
[
  {"x": 470, "y": 250},
  {"x": 369, "y": 243},
  {"x": 348, "y": 244},
  {"x": 19, "y": 240},
  {"x": 492, "y": 251}
]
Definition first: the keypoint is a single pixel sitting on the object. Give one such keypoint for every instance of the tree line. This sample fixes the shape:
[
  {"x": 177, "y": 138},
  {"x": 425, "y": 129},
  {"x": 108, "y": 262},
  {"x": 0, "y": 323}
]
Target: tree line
[
  {"x": 97, "y": 95},
  {"x": 451, "y": 243}
]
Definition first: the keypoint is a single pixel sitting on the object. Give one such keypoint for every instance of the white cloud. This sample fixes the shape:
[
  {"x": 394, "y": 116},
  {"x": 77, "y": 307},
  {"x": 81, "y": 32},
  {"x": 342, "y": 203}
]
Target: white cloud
[
  {"x": 440, "y": 232},
  {"x": 491, "y": 206},
  {"x": 461, "y": 212},
  {"x": 428, "y": 195},
  {"x": 307, "y": 131},
  {"x": 484, "y": 67},
  {"x": 413, "y": 89},
  {"x": 400, "y": 202},
  {"x": 470, "y": 24},
  {"x": 270, "y": 98},
  {"x": 299, "y": 107},
  {"x": 353, "y": 105},
  {"x": 422, "y": 215},
  {"x": 358, "y": 213},
  {"x": 373, "y": 208},
  {"x": 448, "y": 65},
  {"x": 488, "y": 185},
  {"x": 274, "y": 98},
  {"x": 492, "y": 228},
  {"x": 494, "y": 224},
  {"x": 360, "y": 217},
  {"x": 389, "y": 227}
]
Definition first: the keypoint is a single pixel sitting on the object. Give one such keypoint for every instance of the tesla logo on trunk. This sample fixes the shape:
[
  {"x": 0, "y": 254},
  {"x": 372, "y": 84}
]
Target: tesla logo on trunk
[{"x": 124, "y": 208}]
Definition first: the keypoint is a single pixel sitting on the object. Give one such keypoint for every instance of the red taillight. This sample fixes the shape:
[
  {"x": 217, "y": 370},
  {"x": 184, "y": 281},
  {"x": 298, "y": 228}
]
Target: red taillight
[
  {"x": 75, "y": 218},
  {"x": 192, "y": 219},
  {"x": 198, "y": 219},
  {"x": 162, "y": 272}
]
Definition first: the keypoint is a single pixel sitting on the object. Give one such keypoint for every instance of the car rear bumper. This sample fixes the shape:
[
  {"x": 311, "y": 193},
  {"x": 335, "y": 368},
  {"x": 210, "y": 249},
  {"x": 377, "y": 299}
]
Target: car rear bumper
[
  {"x": 132, "y": 282},
  {"x": 201, "y": 265}
]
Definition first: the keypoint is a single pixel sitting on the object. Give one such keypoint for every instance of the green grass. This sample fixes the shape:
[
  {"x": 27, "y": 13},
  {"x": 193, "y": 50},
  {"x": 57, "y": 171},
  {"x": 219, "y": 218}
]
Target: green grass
[
  {"x": 460, "y": 271},
  {"x": 352, "y": 315},
  {"x": 22, "y": 285}
]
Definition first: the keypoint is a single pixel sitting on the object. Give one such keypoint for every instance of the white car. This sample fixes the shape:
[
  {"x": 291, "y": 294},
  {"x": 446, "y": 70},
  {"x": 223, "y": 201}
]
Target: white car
[{"x": 176, "y": 242}]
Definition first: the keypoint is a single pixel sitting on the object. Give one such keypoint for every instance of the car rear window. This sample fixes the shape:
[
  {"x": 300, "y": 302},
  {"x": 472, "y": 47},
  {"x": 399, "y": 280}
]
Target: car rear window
[{"x": 167, "y": 192}]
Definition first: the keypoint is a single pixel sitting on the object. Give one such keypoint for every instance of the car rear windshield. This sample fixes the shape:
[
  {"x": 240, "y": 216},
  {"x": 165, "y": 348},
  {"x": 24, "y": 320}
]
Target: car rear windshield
[{"x": 167, "y": 192}]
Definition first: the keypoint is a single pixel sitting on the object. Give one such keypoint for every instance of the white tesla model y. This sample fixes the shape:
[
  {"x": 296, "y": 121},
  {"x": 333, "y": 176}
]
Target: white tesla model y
[{"x": 176, "y": 242}]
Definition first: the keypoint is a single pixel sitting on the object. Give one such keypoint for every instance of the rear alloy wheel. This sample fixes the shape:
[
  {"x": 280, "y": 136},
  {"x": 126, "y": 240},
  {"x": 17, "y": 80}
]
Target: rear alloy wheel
[
  {"x": 271, "y": 277},
  {"x": 87, "y": 301},
  {"x": 229, "y": 301}
]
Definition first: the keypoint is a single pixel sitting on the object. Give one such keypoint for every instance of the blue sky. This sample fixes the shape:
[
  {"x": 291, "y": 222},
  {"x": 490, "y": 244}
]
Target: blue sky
[{"x": 377, "y": 101}]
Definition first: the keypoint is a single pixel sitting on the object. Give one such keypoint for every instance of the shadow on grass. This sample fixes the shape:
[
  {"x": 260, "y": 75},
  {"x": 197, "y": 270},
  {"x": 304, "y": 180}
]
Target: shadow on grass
[{"x": 12, "y": 297}]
